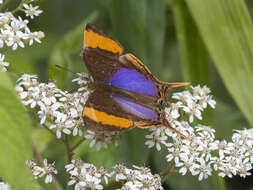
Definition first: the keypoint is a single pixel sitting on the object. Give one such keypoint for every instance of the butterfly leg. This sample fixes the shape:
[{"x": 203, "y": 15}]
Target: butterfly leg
[{"x": 146, "y": 125}]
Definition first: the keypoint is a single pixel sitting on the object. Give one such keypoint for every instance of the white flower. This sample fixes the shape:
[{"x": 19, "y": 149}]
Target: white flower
[
  {"x": 138, "y": 178},
  {"x": 184, "y": 97},
  {"x": 78, "y": 130},
  {"x": 48, "y": 111},
  {"x": 32, "y": 11},
  {"x": 22, "y": 24},
  {"x": 4, "y": 186},
  {"x": 34, "y": 36},
  {"x": 82, "y": 78},
  {"x": 203, "y": 169},
  {"x": 186, "y": 163},
  {"x": 85, "y": 175},
  {"x": 192, "y": 110},
  {"x": 3, "y": 64},
  {"x": 156, "y": 138},
  {"x": 40, "y": 171},
  {"x": 62, "y": 124},
  {"x": 102, "y": 138},
  {"x": 15, "y": 40},
  {"x": 226, "y": 170},
  {"x": 4, "y": 36},
  {"x": 27, "y": 80}
]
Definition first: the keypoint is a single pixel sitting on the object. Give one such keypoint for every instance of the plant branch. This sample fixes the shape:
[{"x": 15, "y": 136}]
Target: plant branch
[
  {"x": 168, "y": 171},
  {"x": 78, "y": 144},
  {"x": 70, "y": 155}
]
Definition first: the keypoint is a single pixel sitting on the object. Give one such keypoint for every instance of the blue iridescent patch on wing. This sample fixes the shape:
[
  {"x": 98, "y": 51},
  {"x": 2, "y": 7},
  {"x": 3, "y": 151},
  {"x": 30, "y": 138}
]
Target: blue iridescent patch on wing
[
  {"x": 130, "y": 79},
  {"x": 136, "y": 109}
]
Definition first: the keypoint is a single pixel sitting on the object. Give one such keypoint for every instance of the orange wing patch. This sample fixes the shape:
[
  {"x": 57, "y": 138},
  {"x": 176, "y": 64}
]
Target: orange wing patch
[
  {"x": 106, "y": 119},
  {"x": 95, "y": 40}
]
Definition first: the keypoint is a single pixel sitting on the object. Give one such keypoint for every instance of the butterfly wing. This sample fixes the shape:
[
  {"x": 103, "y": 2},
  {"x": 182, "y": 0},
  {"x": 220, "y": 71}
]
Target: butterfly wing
[
  {"x": 107, "y": 112},
  {"x": 93, "y": 38}
]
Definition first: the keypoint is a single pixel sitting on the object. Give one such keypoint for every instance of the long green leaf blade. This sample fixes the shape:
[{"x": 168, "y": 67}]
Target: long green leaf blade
[
  {"x": 227, "y": 31},
  {"x": 156, "y": 27},
  {"x": 193, "y": 54},
  {"x": 15, "y": 140},
  {"x": 130, "y": 26}
]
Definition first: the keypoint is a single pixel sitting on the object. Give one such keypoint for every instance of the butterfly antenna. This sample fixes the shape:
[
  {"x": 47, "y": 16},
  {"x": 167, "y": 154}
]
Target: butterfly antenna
[
  {"x": 145, "y": 125},
  {"x": 178, "y": 132},
  {"x": 64, "y": 68}
]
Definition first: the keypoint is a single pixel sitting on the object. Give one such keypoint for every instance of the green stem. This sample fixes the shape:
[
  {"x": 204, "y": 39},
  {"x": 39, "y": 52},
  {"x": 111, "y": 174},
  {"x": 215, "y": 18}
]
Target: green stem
[
  {"x": 19, "y": 7},
  {"x": 78, "y": 144},
  {"x": 168, "y": 171},
  {"x": 70, "y": 155}
]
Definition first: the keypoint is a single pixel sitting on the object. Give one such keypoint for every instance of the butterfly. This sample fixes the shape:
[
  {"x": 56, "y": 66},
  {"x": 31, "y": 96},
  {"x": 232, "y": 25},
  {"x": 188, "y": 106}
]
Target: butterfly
[{"x": 125, "y": 91}]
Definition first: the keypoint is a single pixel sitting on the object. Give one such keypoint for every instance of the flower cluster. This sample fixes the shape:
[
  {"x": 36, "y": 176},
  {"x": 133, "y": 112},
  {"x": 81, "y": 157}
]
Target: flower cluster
[
  {"x": 203, "y": 154},
  {"x": 14, "y": 31},
  {"x": 102, "y": 139},
  {"x": 58, "y": 110},
  {"x": 138, "y": 178},
  {"x": 46, "y": 170},
  {"x": 86, "y": 176},
  {"x": 4, "y": 186}
]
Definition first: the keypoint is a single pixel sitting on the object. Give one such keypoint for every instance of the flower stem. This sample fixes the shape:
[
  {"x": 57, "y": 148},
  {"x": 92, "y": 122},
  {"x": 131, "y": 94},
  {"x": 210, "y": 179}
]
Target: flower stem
[
  {"x": 70, "y": 155},
  {"x": 38, "y": 156},
  {"x": 19, "y": 7},
  {"x": 168, "y": 171},
  {"x": 78, "y": 144}
]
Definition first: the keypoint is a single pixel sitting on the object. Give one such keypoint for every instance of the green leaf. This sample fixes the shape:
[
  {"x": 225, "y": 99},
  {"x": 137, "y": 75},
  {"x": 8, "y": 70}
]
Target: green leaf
[
  {"x": 71, "y": 43},
  {"x": 227, "y": 31},
  {"x": 15, "y": 140},
  {"x": 5, "y": 80},
  {"x": 155, "y": 35},
  {"x": 129, "y": 25},
  {"x": 134, "y": 151},
  {"x": 193, "y": 52}
]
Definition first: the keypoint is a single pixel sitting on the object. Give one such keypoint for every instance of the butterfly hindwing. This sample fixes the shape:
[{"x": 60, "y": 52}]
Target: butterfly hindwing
[
  {"x": 136, "y": 109},
  {"x": 107, "y": 112}
]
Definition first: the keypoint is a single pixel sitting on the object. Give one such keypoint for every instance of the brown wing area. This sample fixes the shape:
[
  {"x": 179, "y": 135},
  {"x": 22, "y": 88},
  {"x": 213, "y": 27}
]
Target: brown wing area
[
  {"x": 102, "y": 113},
  {"x": 100, "y": 64}
]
